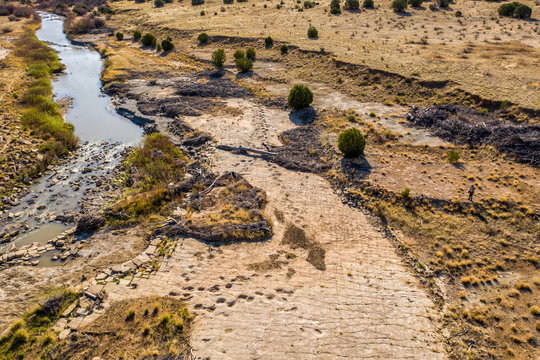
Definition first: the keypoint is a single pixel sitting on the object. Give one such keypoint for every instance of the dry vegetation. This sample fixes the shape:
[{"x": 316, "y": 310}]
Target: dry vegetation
[{"x": 480, "y": 52}]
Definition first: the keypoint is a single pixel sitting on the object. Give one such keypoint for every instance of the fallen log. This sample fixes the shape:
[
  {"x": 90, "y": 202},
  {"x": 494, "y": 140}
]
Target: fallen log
[{"x": 245, "y": 149}]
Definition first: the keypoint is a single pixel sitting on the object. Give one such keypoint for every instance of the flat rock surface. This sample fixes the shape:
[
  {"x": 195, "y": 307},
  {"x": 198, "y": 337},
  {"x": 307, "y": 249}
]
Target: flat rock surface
[{"x": 265, "y": 300}]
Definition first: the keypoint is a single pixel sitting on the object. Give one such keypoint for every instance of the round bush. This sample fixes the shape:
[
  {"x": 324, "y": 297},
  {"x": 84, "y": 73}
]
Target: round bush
[
  {"x": 269, "y": 41},
  {"x": 284, "y": 49},
  {"x": 167, "y": 45},
  {"x": 523, "y": 11},
  {"x": 335, "y": 7},
  {"x": 244, "y": 65},
  {"x": 203, "y": 38},
  {"x": 119, "y": 35},
  {"x": 312, "y": 32},
  {"x": 351, "y": 143},
  {"x": 148, "y": 40},
  {"x": 300, "y": 97},
  {"x": 219, "y": 58},
  {"x": 352, "y": 4},
  {"x": 137, "y": 35},
  {"x": 507, "y": 9},
  {"x": 443, "y": 4},
  {"x": 453, "y": 156},
  {"x": 368, "y": 4},
  {"x": 250, "y": 53},
  {"x": 239, "y": 54},
  {"x": 399, "y": 5},
  {"x": 158, "y": 3},
  {"x": 415, "y": 3}
]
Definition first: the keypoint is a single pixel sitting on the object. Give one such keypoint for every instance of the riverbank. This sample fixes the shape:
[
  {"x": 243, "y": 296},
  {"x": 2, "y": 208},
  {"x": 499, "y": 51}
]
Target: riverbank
[{"x": 34, "y": 128}]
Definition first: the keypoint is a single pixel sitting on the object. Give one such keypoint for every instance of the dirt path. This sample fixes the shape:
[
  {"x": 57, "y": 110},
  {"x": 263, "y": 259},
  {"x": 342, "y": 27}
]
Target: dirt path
[{"x": 265, "y": 301}]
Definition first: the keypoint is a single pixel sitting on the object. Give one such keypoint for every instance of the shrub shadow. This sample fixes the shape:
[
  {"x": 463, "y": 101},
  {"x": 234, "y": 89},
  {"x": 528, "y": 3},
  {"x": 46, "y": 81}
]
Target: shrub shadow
[{"x": 303, "y": 116}]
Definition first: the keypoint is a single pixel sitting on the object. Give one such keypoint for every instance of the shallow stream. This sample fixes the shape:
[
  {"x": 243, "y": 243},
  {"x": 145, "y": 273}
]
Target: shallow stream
[{"x": 102, "y": 133}]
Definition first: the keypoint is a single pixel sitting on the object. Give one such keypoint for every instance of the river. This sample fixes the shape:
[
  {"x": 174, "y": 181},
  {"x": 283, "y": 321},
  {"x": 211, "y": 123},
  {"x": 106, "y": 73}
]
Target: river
[{"x": 103, "y": 136}]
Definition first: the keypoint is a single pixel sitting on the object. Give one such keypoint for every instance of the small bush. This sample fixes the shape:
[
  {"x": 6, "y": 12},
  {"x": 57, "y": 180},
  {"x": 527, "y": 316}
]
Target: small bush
[
  {"x": 522, "y": 11},
  {"x": 284, "y": 49},
  {"x": 443, "y": 4},
  {"x": 300, "y": 97},
  {"x": 399, "y": 5},
  {"x": 158, "y": 3},
  {"x": 250, "y": 53},
  {"x": 137, "y": 35},
  {"x": 453, "y": 157},
  {"x": 244, "y": 65},
  {"x": 309, "y": 4},
  {"x": 351, "y": 143},
  {"x": 219, "y": 58},
  {"x": 415, "y": 3},
  {"x": 119, "y": 36},
  {"x": 312, "y": 32},
  {"x": 368, "y": 4},
  {"x": 406, "y": 193},
  {"x": 239, "y": 54},
  {"x": 148, "y": 40},
  {"x": 352, "y": 4},
  {"x": 268, "y": 41},
  {"x": 203, "y": 38},
  {"x": 335, "y": 7},
  {"x": 459, "y": 14},
  {"x": 197, "y": 2},
  {"x": 228, "y": 2},
  {"x": 130, "y": 316},
  {"x": 167, "y": 45},
  {"x": 507, "y": 9}
]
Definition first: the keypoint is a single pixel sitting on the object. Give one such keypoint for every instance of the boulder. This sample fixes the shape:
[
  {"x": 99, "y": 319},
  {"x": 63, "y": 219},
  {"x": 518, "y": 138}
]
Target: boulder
[{"x": 89, "y": 224}]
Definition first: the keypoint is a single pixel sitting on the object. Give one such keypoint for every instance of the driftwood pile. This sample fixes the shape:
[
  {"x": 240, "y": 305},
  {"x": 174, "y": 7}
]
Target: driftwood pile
[{"x": 465, "y": 126}]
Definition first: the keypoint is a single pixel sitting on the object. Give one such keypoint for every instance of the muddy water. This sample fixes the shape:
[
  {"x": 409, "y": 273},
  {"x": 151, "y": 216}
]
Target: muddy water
[{"x": 102, "y": 132}]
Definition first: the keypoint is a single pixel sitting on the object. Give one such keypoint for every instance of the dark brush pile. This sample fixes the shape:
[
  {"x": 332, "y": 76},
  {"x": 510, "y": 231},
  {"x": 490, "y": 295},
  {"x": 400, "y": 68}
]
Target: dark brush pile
[{"x": 465, "y": 126}]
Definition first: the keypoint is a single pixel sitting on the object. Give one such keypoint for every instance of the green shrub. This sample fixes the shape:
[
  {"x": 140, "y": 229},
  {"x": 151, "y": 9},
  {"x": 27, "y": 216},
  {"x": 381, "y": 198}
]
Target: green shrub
[
  {"x": 244, "y": 65},
  {"x": 268, "y": 41},
  {"x": 406, "y": 193},
  {"x": 459, "y": 14},
  {"x": 284, "y": 49},
  {"x": 309, "y": 4},
  {"x": 250, "y": 53},
  {"x": 351, "y": 143},
  {"x": 158, "y": 3},
  {"x": 443, "y": 4},
  {"x": 148, "y": 40},
  {"x": 399, "y": 5},
  {"x": 119, "y": 35},
  {"x": 453, "y": 157},
  {"x": 239, "y": 54},
  {"x": 137, "y": 35},
  {"x": 300, "y": 97},
  {"x": 368, "y": 4},
  {"x": 312, "y": 32},
  {"x": 415, "y": 3},
  {"x": 219, "y": 58},
  {"x": 167, "y": 45},
  {"x": 228, "y": 2},
  {"x": 203, "y": 38},
  {"x": 335, "y": 7},
  {"x": 522, "y": 11},
  {"x": 352, "y": 4},
  {"x": 197, "y": 2}
]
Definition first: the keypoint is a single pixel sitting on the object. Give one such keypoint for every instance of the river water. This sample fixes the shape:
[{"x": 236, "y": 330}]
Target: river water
[{"x": 103, "y": 135}]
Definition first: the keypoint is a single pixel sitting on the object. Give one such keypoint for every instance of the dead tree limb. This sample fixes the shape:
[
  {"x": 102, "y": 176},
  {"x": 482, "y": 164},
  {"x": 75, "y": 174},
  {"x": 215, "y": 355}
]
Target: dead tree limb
[{"x": 245, "y": 149}]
